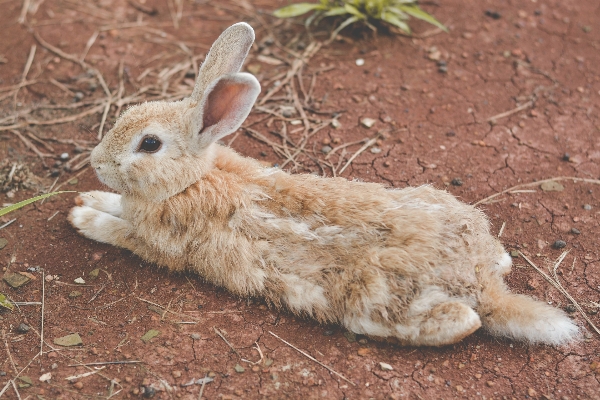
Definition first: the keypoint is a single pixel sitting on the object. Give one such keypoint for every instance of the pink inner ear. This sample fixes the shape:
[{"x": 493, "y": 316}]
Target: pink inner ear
[{"x": 222, "y": 101}]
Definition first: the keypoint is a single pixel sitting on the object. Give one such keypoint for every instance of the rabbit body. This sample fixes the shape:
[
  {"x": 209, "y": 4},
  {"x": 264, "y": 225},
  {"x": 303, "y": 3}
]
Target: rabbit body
[{"x": 412, "y": 264}]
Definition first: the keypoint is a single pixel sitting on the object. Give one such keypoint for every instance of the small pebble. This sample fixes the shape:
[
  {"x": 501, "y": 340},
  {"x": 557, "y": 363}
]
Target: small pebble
[
  {"x": 360, "y": 62},
  {"x": 239, "y": 369},
  {"x": 195, "y": 336},
  {"x": 326, "y": 141},
  {"x": 287, "y": 113},
  {"x": 566, "y": 157},
  {"x": 364, "y": 351},
  {"x": 176, "y": 374},
  {"x": 490, "y": 383},
  {"x": 386, "y": 366},
  {"x": 328, "y": 332},
  {"x": 575, "y": 231},
  {"x": 587, "y": 207},
  {"x": 78, "y": 96},
  {"x": 493, "y": 14},
  {"x": 326, "y": 149},
  {"x": 559, "y": 244},
  {"x": 386, "y": 164},
  {"x": 149, "y": 392},
  {"x": 64, "y": 156},
  {"x": 375, "y": 150},
  {"x": 570, "y": 308},
  {"x": 457, "y": 182},
  {"x": 532, "y": 392},
  {"x": 23, "y": 328},
  {"x": 367, "y": 122},
  {"x": 336, "y": 124},
  {"x": 78, "y": 385}
]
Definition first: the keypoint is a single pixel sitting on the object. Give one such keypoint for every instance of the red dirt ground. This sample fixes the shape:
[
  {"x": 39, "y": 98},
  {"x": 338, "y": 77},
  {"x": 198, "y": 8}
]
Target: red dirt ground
[{"x": 436, "y": 131}]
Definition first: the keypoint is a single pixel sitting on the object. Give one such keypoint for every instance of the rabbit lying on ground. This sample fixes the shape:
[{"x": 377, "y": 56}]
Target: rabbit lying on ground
[{"x": 413, "y": 264}]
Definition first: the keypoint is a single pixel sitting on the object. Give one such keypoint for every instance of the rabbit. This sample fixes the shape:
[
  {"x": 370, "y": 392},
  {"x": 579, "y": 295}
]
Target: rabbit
[{"x": 413, "y": 265}]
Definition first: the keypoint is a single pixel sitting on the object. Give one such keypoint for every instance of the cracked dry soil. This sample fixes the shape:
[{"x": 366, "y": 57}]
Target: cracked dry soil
[{"x": 437, "y": 131}]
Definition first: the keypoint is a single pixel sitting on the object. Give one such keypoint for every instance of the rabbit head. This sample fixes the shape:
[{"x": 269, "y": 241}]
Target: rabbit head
[{"x": 157, "y": 149}]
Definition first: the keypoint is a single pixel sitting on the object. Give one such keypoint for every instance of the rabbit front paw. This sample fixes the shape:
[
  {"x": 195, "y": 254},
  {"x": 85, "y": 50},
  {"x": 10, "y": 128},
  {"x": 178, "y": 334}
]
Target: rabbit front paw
[
  {"x": 106, "y": 202},
  {"x": 101, "y": 226}
]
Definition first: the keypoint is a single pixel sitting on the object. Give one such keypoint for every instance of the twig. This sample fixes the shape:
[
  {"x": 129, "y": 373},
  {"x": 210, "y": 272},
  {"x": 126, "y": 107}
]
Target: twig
[
  {"x": 370, "y": 143},
  {"x": 559, "y": 178},
  {"x": 72, "y": 377},
  {"x": 556, "y": 283},
  {"x": 43, "y": 306},
  {"x": 502, "y": 228},
  {"x": 259, "y": 352},
  {"x": 310, "y": 51},
  {"x": 16, "y": 390},
  {"x": 25, "y": 70},
  {"x": 96, "y": 294},
  {"x": 89, "y": 45},
  {"x": 511, "y": 112},
  {"x": 342, "y": 146},
  {"x": 105, "y": 363},
  {"x": 8, "y": 223},
  {"x": 314, "y": 359},
  {"x": 202, "y": 387},
  {"x": 225, "y": 340},
  {"x": 40, "y": 141},
  {"x": 23, "y": 15},
  {"x": 30, "y": 145},
  {"x": 8, "y": 351},
  {"x": 5, "y": 388}
]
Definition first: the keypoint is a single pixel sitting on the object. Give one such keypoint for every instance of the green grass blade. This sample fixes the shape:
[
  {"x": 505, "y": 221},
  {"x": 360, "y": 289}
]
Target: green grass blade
[
  {"x": 335, "y": 11},
  {"x": 393, "y": 19},
  {"x": 294, "y": 10},
  {"x": 344, "y": 24},
  {"x": 23, "y": 203},
  {"x": 399, "y": 13},
  {"x": 415, "y": 11},
  {"x": 354, "y": 11}
]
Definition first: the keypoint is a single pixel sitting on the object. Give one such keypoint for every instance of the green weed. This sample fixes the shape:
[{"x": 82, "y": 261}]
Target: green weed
[{"x": 393, "y": 12}]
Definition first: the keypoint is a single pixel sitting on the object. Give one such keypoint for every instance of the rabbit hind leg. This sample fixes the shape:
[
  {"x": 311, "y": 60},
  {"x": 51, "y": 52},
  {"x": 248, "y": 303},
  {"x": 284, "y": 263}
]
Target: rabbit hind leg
[{"x": 446, "y": 323}]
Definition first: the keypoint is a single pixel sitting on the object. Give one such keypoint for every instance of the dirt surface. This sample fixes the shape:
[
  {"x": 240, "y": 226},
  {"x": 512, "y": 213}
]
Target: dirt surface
[{"x": 539, "y": 59}]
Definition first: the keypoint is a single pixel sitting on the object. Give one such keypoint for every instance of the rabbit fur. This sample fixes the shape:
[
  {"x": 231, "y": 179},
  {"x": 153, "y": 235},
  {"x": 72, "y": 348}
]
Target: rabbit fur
[{"x": 415, "y": 265}]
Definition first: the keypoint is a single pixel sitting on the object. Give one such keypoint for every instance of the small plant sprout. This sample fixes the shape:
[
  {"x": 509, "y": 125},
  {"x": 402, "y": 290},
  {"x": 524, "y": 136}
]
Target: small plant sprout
[{"x": 394, "y": 12}]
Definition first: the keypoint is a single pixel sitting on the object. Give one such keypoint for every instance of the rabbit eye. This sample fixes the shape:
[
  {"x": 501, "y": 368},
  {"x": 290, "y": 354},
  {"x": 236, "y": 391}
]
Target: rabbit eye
[{"x": 150, "y": 144}]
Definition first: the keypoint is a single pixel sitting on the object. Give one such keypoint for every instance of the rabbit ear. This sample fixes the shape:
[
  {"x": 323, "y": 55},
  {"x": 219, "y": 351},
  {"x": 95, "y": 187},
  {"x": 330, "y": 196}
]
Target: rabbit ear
[
  {"x": 226, "y": 56},
  {"x": 225, "y": 105}
]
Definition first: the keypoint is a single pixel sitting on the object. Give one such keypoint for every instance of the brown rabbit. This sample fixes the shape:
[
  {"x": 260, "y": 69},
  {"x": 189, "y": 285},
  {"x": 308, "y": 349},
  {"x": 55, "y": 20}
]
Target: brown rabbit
[{"x": 413, "y": 264}]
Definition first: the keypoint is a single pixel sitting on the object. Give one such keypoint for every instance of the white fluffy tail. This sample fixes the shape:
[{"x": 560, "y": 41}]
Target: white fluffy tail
[{"x": 523, "y": 318}]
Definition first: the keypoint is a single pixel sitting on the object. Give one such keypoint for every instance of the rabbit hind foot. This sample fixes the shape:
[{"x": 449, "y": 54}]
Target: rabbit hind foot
[{"x": 446, "y": 323}]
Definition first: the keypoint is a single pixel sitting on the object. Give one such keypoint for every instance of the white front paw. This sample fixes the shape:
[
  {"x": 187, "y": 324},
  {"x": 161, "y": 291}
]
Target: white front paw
[
  {"x": 102, "y": 201},
  {"x": 98, "y": 225}
]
